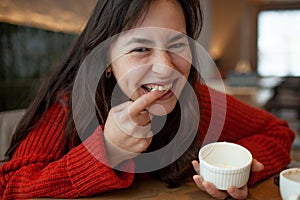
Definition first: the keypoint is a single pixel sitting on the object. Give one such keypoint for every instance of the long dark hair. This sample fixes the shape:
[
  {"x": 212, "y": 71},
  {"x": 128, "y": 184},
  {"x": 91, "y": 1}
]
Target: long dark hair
[{"x": 109, "y": 18}]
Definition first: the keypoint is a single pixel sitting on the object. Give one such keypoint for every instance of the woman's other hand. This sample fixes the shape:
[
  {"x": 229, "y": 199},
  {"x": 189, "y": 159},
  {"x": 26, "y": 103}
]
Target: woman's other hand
[
  {"x": 236, "y": 193},
  {"x": 127, "y": 131}
]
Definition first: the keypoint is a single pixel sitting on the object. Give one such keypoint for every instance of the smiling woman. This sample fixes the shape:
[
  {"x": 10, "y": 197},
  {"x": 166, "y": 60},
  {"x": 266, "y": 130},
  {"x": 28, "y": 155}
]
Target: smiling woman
[
  {"x": 51, "y": 156},
  {"x": 157, "y": 58}
]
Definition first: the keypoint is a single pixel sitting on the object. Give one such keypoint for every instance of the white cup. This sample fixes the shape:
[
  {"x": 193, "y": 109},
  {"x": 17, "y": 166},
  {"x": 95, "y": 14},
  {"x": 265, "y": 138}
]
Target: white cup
[
  {"x": 225, "y": 164},
  {"x": 289, "y": 184}
]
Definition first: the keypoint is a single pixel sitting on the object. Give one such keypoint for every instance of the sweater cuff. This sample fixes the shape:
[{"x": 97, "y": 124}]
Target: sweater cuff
[{"x": 89, "y": 170}]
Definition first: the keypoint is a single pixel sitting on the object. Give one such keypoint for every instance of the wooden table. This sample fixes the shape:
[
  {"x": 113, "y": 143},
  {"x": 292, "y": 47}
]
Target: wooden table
[{"x": 155, "y": 190}]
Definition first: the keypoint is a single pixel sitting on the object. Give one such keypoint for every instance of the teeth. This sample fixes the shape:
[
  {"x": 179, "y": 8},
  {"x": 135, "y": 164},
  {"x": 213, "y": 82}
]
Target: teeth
[{"x": 152, "y": 87}]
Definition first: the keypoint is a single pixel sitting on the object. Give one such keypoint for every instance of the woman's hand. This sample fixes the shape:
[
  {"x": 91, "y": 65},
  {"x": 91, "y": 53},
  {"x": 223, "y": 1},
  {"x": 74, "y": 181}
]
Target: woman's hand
[
  {"x": 127, "y": 131},
  {"x": 236, "y": 193}
]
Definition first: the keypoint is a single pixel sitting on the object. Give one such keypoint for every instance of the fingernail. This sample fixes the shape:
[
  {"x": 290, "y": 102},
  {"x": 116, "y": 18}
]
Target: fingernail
[{"x": 198, "y": 181}]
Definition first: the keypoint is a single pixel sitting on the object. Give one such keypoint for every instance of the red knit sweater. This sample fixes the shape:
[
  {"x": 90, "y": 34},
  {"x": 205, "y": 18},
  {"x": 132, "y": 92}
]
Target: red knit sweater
[{"x": 39, "y": 167}]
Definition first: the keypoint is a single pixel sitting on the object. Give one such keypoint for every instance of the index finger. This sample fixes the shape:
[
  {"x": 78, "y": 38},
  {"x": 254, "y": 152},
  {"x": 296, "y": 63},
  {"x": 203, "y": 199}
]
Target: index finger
[{"x": 144, "y": 101}]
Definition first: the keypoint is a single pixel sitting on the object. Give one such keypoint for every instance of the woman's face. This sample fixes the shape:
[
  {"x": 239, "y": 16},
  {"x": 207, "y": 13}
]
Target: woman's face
[{"x": 154, "y": 55}]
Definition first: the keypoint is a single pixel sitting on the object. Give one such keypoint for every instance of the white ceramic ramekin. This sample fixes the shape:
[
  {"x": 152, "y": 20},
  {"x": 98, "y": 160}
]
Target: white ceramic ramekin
[{"x": 225, "y": 164}]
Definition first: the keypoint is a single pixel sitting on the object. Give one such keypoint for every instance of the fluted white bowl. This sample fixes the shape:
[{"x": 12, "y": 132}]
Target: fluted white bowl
[{"x": 225, "y": 164}]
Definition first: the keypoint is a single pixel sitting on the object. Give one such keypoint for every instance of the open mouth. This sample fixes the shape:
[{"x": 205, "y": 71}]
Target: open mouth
[{"x": 153, "y": 87}]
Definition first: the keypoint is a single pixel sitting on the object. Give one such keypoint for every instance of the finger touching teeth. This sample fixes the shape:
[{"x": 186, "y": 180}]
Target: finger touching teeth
[{"x": 153, "y": 87}]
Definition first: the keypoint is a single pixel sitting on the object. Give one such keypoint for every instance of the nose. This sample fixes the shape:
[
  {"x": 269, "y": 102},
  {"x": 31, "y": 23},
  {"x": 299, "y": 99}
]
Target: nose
[{"x": 162, "y": 63}]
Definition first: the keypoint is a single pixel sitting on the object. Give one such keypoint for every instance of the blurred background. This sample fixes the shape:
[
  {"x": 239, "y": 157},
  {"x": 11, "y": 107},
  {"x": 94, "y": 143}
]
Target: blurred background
[{"x": 254, "y": 43}]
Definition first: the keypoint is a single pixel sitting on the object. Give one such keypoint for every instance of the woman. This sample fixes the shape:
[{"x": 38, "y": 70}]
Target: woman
[{"x": 51, "y": 156}]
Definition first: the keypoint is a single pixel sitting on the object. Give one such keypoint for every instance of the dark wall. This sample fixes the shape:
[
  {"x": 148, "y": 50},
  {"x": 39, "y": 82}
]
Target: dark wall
[{"x": 26, "y": 56}]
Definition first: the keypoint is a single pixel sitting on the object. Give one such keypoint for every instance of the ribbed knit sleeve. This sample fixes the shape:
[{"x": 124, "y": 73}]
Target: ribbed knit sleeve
[
  {"x": 268, "y": 138},
  {"x": 40, "y": 168}
]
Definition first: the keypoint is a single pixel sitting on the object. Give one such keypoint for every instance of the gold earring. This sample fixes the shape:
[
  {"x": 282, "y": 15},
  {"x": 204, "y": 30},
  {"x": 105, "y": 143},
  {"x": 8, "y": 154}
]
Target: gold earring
[{"x": 108, "y": 73}]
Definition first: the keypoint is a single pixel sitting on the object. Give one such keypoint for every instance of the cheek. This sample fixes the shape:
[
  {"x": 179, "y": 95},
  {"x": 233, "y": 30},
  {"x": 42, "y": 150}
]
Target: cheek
[
  {"x": 183, "y": 67},
  {"x": 120, "y": 72},
  {"x": 121, "y": 69},
  {"x": 128, "y": 73},
  {"x": 126, "y": 66}
]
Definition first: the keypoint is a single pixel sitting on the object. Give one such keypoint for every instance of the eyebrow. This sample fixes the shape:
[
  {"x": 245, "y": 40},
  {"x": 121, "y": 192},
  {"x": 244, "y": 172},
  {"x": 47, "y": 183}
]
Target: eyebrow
[
  {"x": 177, "y": 37},
  {"x": 147, "y": 41},
  {"x": 139, "y": 40}
]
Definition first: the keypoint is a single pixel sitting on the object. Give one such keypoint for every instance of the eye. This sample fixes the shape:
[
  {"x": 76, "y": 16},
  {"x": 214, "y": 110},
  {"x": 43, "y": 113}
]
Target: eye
[
  {"x": 177, "y": 47},
  {"x": 139, "y": 50}
]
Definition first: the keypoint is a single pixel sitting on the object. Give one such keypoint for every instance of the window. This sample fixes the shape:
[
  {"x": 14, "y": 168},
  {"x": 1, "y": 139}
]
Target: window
[
  {"x": 278, "y": 43},
  {"x": 26, "y": 56}
]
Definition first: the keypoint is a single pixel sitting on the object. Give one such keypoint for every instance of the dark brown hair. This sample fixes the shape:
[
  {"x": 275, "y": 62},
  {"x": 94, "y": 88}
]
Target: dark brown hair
[{"x": 109, "y": 18}]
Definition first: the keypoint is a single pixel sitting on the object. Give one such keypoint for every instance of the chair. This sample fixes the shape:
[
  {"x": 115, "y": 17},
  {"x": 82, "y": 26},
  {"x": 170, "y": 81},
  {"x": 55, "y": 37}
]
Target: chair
[{"x": 8, "y": 124}]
